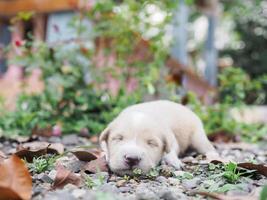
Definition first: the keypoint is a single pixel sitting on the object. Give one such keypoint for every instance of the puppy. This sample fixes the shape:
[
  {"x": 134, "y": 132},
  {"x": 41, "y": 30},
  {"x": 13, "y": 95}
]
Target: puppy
[{"x": 144, "y": 134}]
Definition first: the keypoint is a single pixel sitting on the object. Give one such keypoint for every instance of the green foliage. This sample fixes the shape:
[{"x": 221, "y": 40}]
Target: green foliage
[
  {"x": 94, "y": 183},
  {"x": 137, "y": 172},
  {"x": 67, "y": 101},
  {"x": 237, "y": 88},
  {"x": 42, "y": 164},
  {"x": 234, "y": 90},
  {"x": 231, "y": 173},
  {"x": 263, "y": 195}
]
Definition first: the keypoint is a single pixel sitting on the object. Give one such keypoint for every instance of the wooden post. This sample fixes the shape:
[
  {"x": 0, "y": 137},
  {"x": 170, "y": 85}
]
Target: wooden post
[{"x": 39, "y": 27}]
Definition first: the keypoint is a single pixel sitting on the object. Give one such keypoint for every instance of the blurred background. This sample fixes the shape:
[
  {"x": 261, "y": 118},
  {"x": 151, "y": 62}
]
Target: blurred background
[{"x": 70, "y": 66}]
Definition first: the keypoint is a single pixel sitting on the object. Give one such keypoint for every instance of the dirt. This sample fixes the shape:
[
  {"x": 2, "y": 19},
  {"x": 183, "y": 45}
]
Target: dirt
[{"x": 168, "y": 184}]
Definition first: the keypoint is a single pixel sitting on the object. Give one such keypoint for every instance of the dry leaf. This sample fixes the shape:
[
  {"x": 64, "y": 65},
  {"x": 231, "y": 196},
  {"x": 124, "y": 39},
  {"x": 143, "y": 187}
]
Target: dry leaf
[
  {"x": 262, "y": 169},
  {"x": 64, "y": 177},
  {"x": 85, "y": 155},
  {"x": 36, "y": 149},
  {"x": 98, "y": 165},
  {"x": 15, "y": 180},
  {"x": 223, "y": 137}
]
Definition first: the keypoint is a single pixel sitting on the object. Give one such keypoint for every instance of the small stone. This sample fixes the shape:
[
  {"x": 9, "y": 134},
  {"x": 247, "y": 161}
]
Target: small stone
[
  {"x": 113, "y": 178},
  {"x": 132, "y": 181},
  {"x": 173, "y": 181},
  {"x": 52, "y": 174},
  {"x": 37, "y": 190},
  {"x": 161, "y": 179},
  {"x": 179, "y": 173},
  {"x": 142, "y": 193},
  {"x": 109, "y": 187},
  {"x": 70, "y": 139},
  {"x": 125, "y": 189},
  {"x": 191, "y": 183},
  {"x": 78, "y": 193},
  {"x": 121, "y": 183},
  {"x": 188, "y": 159},
  {"x": 168, "y": 195},
  {"x": 46, "y": 179}
]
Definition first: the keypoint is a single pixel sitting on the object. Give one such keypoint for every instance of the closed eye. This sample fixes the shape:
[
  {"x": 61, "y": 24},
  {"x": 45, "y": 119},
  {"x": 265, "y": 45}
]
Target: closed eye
[
  {"x": 117, "y": 138},
  {"x": 152, "y": 143}
]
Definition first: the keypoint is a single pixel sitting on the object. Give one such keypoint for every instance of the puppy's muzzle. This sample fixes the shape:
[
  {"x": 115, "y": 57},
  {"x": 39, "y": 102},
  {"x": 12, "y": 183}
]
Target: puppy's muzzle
[{"x": 131, "y": 161}]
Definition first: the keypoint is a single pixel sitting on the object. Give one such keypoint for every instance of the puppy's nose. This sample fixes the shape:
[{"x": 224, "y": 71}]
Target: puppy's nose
[{"x": 132, "y": 160}]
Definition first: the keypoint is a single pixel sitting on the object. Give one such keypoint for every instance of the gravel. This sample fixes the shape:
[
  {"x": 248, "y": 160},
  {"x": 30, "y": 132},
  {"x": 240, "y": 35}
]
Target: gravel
[{"x": 169, "y": 185}]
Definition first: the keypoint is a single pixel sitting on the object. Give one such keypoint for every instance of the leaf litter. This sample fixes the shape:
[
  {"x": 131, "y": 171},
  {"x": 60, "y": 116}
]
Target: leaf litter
[{"x": 237, "y": 181}]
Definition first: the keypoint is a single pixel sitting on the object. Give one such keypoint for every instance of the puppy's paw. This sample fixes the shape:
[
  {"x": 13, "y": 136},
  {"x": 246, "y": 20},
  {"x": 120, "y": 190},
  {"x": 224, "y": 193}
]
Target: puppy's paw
[{"x": 173, "y": 162}]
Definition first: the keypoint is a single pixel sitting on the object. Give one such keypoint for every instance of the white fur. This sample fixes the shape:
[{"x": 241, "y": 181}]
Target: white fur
[{"x": 154, "y": 131}]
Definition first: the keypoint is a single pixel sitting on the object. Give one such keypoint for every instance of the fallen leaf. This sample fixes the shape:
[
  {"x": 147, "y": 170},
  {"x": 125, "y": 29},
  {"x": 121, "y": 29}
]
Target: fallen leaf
[
  {"x": 85, "y": 155},
  {"x": 64, "y": 177},
  {"x": 36, "y": 149},
  {"x": 15, "y": 180},
  {"x": 44, "y": 132},
  {"x": 98, "y": 165},
  {"x": 260, "y": 168},
  {"x": 223, "y": 137}
]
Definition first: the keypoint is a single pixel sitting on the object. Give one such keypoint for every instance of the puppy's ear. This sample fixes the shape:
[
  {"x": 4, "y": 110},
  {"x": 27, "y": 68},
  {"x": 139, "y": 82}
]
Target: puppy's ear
[{"x": 103, "y": 141}]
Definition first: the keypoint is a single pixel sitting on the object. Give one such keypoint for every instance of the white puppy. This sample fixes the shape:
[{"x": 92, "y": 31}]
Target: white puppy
[{"x": 147, "y": 133}]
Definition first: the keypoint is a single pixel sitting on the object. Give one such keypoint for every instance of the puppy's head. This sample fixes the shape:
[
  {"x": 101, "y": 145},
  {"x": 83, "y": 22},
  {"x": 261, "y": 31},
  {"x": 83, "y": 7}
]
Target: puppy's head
[{"x": 131, "y": 141}]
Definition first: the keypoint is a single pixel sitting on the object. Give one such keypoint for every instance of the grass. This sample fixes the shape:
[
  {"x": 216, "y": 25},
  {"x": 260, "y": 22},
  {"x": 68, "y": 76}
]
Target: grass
[
  {"x": 94, "y": 183},
  {"x": 42, "y": 164}
]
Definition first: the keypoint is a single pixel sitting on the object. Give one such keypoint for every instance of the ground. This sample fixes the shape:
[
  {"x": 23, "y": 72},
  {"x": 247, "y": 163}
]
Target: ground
[{"x": 162, "y": 183}]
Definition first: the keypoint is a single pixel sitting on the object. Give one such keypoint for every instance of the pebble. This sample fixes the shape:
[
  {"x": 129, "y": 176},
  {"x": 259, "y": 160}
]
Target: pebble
[
  {"x": 70, "y": 139},
  {"x": 161, "y": 179},
  {"x": 125, "y": 189},
  {"x": 78, "y": 193},
  {"x": 121, "y": 183},
  {"x": 45, "y": 178},
  {"x": 173, "y": 181},
  {"x": 142, "y": 193},
  {"x": 109, "y": 187},
  {"x": 179, "y": 173},
  {"x": 52, "y": 174},
  {"x": 191, "y": 183}
]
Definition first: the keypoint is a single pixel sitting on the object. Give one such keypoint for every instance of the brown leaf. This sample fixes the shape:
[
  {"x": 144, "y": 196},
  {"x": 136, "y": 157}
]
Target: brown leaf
[
  {"x": 15, "y": 180},
  {"x": 64, "y": 177},
  {"x": 98, "y": 165},
  {"x": 262, "y": 169},
  {"x": 85, "y": 155},
  {"x": 36, "y": 149},
  {"x": 223, "y": 137},
  {"x": 44, "y": 132}
]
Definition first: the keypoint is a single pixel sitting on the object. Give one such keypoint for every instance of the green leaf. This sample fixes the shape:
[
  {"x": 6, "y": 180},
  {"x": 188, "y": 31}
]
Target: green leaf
[{"x": 263, "y": 195}]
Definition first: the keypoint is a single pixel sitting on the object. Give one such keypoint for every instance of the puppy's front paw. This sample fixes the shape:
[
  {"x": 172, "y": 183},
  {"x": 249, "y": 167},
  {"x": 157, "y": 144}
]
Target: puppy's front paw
[{"x": 172, "y": 161}]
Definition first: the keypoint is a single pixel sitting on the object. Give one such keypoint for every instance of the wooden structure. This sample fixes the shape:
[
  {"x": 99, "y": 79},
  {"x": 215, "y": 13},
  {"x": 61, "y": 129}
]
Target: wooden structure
[{"x": 12, "y": 7}]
